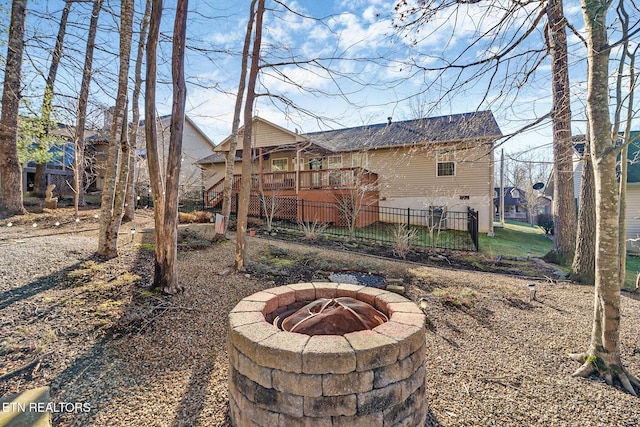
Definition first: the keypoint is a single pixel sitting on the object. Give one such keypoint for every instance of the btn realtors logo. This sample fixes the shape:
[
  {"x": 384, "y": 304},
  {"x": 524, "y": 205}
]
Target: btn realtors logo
[{"x": 55, "y": 408}]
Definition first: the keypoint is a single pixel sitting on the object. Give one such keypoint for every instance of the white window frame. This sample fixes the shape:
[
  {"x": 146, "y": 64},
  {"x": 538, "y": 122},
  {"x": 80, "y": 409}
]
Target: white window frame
[
  {"x": 515, "y": 194},
  {"x": 286, "y": 169},
  {"x": 449, "y": 157},
  {"x": 329, "y": 161},
  {"x": 363, "y": 159}
]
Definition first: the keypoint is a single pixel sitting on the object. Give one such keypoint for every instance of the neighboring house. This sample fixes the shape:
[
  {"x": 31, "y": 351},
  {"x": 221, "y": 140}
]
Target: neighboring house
[
  {"x": 195, "y": 145},
  {"x": 437, "y": 163},
  {"x": 515, "y": 203},
  {"x": 58, "y": 171},
  {"x": 632, "y": 212}
]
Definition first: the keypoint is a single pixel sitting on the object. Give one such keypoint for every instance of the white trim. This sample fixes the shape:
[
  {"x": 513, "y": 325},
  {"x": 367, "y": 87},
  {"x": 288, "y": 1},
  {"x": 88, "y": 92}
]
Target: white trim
[
  {"x": 329, "y": 162},
  {"x": 364, "y": 159},
  {"x": 450, "y": 153},
  {"x": 280, "y": 170}
]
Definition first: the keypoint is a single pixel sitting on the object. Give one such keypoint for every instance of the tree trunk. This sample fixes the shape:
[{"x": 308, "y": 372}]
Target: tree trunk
[
  {"x": 11, "y": 201},
  {"x": 151, "y": 135},
  {"x": 583, "y": 268},
  {"x": 168, "y": 279},
  {"x": 81, "y": 119},
  {"x": 130, "y": 201},
  {"x": 116, "y": 170},
  {"x": 245, "y": 184},
  {"x": 231, "y": 155},
  {"x": 603, "y": 354},
  {"x": 40, "y": 174},
  {"x": 564, "y": 209}
]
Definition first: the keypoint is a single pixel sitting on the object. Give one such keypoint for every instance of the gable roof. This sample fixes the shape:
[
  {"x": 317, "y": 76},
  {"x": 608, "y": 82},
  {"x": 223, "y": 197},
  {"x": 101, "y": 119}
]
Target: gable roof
[
  {"x": 479, "y": 125},
  {"x": 508, "y": 198},
  {"x": 257, "y": 120}
]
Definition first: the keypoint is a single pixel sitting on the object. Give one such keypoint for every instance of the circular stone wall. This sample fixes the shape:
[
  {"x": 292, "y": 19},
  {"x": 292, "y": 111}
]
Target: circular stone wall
[{"x": 366, "y": 378}]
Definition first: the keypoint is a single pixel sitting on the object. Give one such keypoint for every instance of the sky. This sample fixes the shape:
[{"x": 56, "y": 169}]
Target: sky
[{"x": 354, "y": 66}]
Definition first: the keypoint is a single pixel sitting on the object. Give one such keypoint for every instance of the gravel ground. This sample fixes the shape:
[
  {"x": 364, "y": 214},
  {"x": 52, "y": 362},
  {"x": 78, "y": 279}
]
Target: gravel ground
[{"x": 98, "y": 336}]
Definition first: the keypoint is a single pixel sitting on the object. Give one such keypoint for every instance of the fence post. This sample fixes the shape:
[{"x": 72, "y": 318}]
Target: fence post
[
  {"x": 472, "y": 227},
  {"x": 408, "y": 217},
  {"x": 302, "y": 210},
  {"x": 237, "y": 201}
]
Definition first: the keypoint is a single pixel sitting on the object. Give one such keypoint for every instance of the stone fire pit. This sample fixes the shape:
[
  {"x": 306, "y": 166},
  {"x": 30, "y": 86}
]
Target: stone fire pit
[{"x": 372, "y": 377}]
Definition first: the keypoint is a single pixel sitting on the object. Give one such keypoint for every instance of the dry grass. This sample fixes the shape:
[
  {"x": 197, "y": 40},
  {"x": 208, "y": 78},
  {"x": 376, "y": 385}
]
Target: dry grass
[{"x": 142, "y": 359}]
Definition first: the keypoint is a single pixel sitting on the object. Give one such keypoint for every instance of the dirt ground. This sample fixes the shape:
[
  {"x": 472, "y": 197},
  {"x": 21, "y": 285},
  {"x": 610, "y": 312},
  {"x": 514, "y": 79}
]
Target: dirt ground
[{"x": 94, "y": 331}]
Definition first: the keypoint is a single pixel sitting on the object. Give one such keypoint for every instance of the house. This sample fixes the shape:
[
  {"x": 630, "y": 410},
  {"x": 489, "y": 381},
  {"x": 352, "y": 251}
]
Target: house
[
  {"x": 632, "y": 211},
  {"x": 435, "y": 164},
  {"x": 515, "y": 203},
  {"x": 195, "y": 145},
  {"x": 59, "y": 170}
]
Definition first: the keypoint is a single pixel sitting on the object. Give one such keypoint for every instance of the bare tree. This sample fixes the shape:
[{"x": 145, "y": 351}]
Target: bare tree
[
  {"x": 168, "y": 271},
  {"x": 130, "y": 203},
  {"x": 564, "y": 208},
  {"x": 583, "y": 267},
  {"x": 151, "y": 136},
  {"x": 47, "y": 101},
  {"x": 245, "y": 184},
  {"x": 351, "y": 202},
  {"x": 11, "y": 199},
  {"x": 231, "y": 155},
  {"x": 603, "y": 354},
  {"x": 113, "y": 193},
  {"x": 165, "y": 191},
  {"x": 79, "y": 163},
  {"x": 511, "y": 56}
]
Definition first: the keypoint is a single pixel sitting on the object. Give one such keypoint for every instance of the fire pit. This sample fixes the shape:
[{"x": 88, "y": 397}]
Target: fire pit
[{"x": 279, "y": 378}]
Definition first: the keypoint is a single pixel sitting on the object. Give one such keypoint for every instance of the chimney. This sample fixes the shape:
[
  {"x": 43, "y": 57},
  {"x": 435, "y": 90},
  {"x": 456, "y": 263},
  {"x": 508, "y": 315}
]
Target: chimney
[{"x": 388, "y": 120}]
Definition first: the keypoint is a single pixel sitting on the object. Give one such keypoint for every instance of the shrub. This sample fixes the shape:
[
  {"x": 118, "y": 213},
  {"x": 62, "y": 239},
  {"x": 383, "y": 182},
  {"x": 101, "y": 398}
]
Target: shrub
[
  {"x": 196, "y": 216},
  {"x": 186, "y": 218},
  {"x": 312, "y": 230},
  {"x": 403, "y": 238},
  {"x": 545, "y": 221}
]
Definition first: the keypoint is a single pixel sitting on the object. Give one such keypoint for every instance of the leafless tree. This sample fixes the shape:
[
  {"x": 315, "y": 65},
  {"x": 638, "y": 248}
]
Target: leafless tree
[
  {"x": 47, "y": 99},
  {"x": 81, "y": 115},
  {"x": 231, "y": 155},
  {"x": 512, "y": 54},
  {"x": 245, "y": 184},
  {"x": 351, "y": 201},
  {"x": 113, "y": 193},
  {"x": 603, "y": 354},
  {"x": 11, "y": 199},
  {"x": 130, "y": 204}
]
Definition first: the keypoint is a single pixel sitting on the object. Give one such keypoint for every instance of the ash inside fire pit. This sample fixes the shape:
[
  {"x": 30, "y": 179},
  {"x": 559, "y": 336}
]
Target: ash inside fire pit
[
  {"x": 331, "y": 316},
  {"x": 358, "y": 278}
]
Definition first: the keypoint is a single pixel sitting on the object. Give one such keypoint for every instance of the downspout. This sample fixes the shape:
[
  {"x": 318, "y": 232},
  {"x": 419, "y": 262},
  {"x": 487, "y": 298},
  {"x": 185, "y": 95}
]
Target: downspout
[{"x": 298, "y": 169}]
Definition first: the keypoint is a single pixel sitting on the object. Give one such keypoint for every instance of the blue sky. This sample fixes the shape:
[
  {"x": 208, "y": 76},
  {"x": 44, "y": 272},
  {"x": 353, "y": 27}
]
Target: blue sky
[{"x": 375, "y": 72}]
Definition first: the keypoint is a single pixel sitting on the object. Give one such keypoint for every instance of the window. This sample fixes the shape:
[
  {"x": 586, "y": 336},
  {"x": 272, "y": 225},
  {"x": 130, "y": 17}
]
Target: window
[
  {"x": 334, "y": 162},
  {"x": 445, "y": 163},
  {"x": 279, "y": 165},
  {"x": 359, "y": 160},
  {"x": 515, "y": 194}
]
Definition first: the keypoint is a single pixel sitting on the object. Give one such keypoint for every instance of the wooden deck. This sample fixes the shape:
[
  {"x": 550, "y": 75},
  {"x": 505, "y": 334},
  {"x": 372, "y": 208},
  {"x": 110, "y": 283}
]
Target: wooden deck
[{"x": 319, "y": 195}]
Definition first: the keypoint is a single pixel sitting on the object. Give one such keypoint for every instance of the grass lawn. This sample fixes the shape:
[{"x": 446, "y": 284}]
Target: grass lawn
[
  {"x": 516, "y": 238},
  {"x": 633, "y": 268}
]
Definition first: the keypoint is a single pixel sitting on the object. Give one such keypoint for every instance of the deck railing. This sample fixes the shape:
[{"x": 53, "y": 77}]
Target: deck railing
[{"x": 321, "y": 179}]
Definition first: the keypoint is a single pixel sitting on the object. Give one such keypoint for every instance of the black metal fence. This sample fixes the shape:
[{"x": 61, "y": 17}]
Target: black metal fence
[{"x": 431, "y": 227}]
